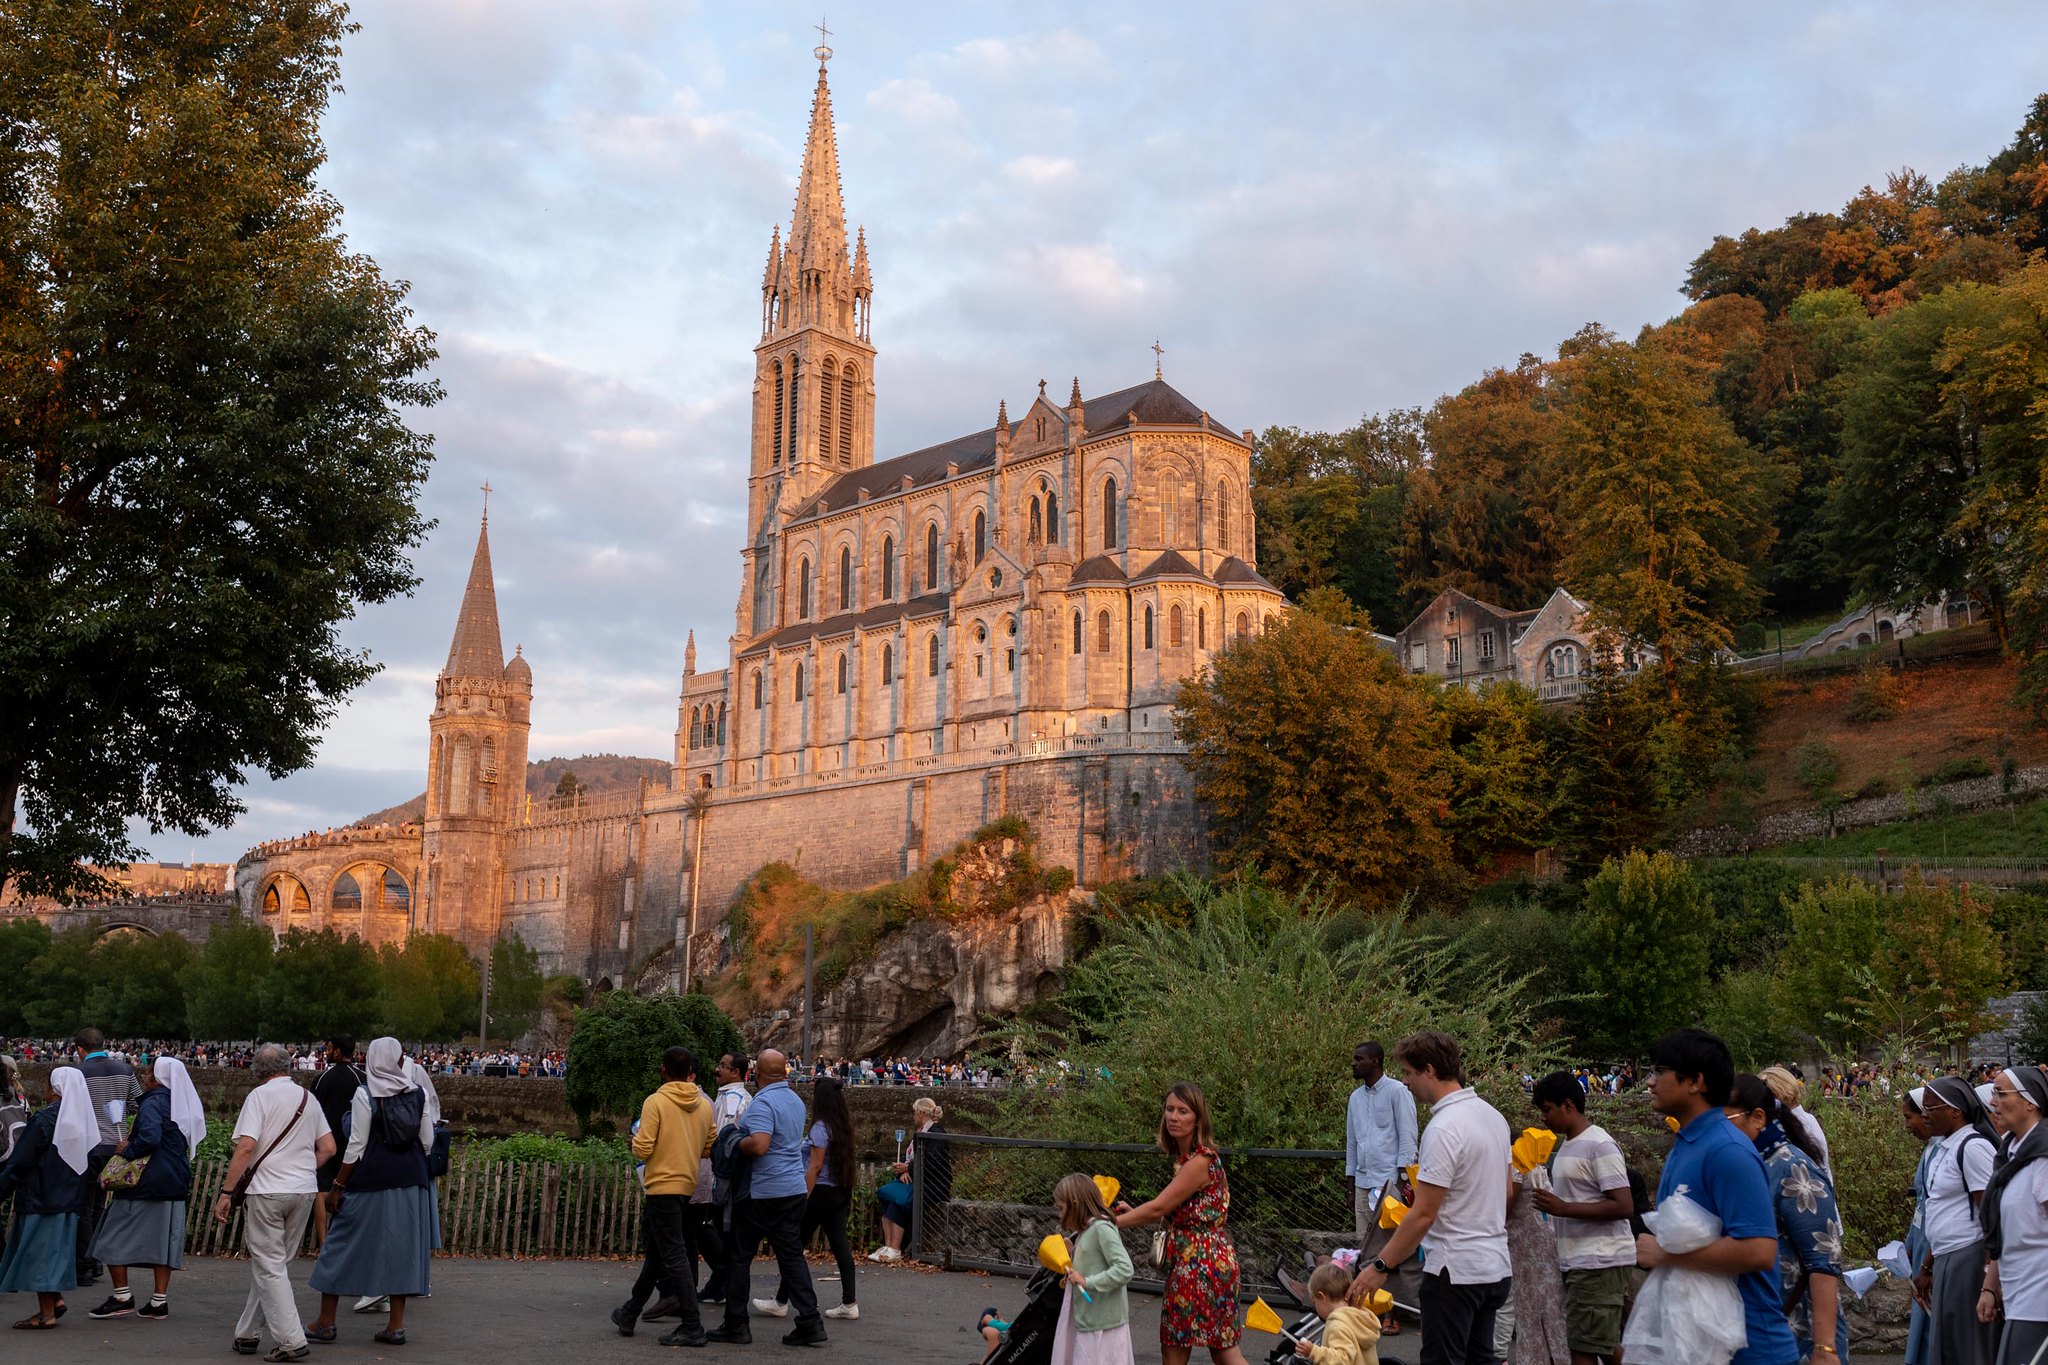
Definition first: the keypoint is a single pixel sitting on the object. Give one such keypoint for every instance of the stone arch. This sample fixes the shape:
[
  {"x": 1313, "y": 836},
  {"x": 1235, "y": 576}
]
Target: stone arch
[{"x": 284, "y": 894}]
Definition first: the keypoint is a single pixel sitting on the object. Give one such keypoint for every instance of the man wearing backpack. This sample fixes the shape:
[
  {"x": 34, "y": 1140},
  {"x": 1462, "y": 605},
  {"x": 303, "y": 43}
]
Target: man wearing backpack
[
  {"x": 771, "y": 1135},
  {"x": 1953, "y": 1271}
]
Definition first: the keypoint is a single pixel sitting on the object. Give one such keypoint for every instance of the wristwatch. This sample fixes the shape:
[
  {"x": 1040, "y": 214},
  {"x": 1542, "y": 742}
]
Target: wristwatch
[{"x": 1377, "y": 1264}]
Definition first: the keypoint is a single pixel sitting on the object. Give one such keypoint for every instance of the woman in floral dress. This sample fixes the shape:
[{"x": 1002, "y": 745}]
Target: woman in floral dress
[
  {"x": 1809, "y": 1222},
  {"x": 1200, "y": 1307}
]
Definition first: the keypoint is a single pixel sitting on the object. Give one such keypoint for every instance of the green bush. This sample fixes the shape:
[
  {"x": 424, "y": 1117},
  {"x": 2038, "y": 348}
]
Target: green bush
[
  {"x": 1748, "y": 896},
  {"x": 1874, "y": 1158},
  {"x": 614, "y": 1057},
  {"x": 591, "y": 1151},
  {"x": 1643, "y": 941},
  {"x": 1815, "y": 767},
  {"x": 1876, "y": 696},
  {"x": 1957, "y": 770},
  {"x": 1744, "y": 1010}
]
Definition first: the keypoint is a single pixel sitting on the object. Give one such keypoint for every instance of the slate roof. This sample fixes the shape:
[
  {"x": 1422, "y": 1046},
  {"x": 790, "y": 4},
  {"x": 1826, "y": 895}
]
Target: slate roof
[
  {"x": 1098, "y": 569},
  {"x": 478, "y": 651},
  {"x": 846, "y": 623},
  {"x": 1155, "y": 402},
  {"x": 1172, "y": 564},
  {"x": 1234, "y": 572}
]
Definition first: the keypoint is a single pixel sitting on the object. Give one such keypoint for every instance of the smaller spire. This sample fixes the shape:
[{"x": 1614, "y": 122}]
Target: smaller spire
[
  {"x": 862, "y": 280},
  {"x": 1074, "y": 399},
  {"x": 774, "y": 258},
  {"x": 690, "y": 654},
  {"x": 1003, "y": 415}
]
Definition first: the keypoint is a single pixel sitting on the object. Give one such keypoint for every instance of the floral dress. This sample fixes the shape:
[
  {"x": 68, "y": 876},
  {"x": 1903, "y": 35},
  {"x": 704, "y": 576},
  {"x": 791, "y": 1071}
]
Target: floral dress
[
  {"x": 1200, "y": 1307},
  {"x": 1809, "y": 1233}
]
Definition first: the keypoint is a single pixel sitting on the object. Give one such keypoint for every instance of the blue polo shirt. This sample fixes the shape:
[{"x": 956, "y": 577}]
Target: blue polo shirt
[
  {"x": 779, "y": 1172},
  {"x": 1718, "y": 1168}
]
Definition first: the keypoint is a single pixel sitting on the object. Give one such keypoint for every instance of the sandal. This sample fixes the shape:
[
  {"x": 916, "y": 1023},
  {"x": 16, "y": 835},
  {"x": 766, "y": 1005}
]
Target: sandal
[
  {"x": 281, "y": 1354},
  {"x": 1390, "y": 1326},
  {"x": 324, "y": 1335},
  {"x": 248, "y": 1346},
  {"x": 35, "y": 1322},
  {"x": 391, "y": 1338}
]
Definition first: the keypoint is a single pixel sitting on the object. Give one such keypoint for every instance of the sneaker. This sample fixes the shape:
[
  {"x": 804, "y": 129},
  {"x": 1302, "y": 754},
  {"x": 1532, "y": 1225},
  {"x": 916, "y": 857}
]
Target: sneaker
[
  {"x": 114, "y": 1307},
  {"x": 769, "y": 1308},
  {"x": 731, "y": 1334},
  {"x": 849, "y": 1311},
  {"x": 156, "y": 1312},
  {"x": 663, "y": 1307},
  {"x": 676, "y": 1336},
  {"x": 805, "y": 1336},
  {"x": 373, "y": 1303}
]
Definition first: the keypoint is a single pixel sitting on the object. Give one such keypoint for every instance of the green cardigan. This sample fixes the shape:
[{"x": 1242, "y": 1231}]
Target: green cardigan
[{"x": 1100, "y": 1257}]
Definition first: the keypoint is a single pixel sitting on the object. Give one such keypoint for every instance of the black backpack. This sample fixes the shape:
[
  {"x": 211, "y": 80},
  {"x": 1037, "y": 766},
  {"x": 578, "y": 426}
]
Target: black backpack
[{"x": 396, "y": 1120}]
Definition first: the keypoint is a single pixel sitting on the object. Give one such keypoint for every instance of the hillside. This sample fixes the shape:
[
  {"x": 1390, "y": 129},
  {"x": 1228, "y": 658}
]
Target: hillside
[{"x": 599, "y": 773}]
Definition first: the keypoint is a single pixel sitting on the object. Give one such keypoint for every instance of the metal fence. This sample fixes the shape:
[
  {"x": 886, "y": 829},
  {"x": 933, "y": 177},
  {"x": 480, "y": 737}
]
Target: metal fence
[{"x": 1285, "y": 1206}]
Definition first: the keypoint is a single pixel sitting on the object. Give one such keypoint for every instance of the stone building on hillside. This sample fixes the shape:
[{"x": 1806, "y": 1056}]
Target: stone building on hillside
[
  {"x": 991, "y": 625},
  {"x": 1469, "y": 643}
]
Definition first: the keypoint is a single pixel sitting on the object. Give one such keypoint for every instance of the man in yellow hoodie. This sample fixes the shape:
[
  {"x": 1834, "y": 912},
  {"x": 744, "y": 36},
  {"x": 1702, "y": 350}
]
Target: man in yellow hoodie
[{"x": 673, "y": 1136}]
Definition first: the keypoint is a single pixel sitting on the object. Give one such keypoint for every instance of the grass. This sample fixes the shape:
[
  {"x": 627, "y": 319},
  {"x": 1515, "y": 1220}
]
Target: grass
[{"x": 2008, "y": 832}]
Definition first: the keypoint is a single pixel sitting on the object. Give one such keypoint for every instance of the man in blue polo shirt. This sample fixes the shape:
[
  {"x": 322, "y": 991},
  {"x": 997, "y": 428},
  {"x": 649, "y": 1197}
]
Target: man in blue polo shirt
[
  {"x": 772, "y": 1206},
  {"x": 1718, "y": 1168}
]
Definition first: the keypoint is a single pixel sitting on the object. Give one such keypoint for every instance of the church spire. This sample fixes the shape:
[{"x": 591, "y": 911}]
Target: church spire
[
  {"x": 478, "y": 651},
  {"x": 817, "y": 230}
]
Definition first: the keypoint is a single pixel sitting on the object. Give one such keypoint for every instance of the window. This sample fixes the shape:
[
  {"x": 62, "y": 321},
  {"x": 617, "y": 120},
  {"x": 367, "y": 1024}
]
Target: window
[
  {"x": 1077, "y": 632},
  {"x": 1223, "y": 515},
  {"x": 1037, "y": 522},
  {"x": 1102, "y": 633},
  {"x": 888, "y": 568},
  {"x": 1486, "y": 646},
  {"x": 977, "y": 665},
  {"x": 397, "y": 895},
  {"x": 799, "y": 690},
  {"x": 796, "y": 405},
  {"x": 803, "y": 590},
  {"x": 980, "y": 536},
  {"x": 775, "y": 441},
  {"x": 1109, "y": 514},
  {"x": 846, "y": 384},
  {"x": 1452, "y": 655},
  {"x": 696, "y": 728},
  {"x": 1244, "y": 627},
  {"x": 1148, "y": 626},
  {"x": 931, "y": 650},
  {"x": 1418, "y": 657},
  {"x": 825, "y": 397},
  {"x": 1010, "y": 661},
  {"x": 757, "y": 690},
  {"x": 721, "y": 721},
  {"x": 842, "y": 675},
  {"x": 888, "y": 665},
  {"x": 1564, "y": 661},
  {"x": 1201, "y": 628},
  {"x": 845, "y": 578},
  {"x": 348, "y": 893},
  {"x": 931, "y": 557},
  {"x": 1173, "y": 627}
]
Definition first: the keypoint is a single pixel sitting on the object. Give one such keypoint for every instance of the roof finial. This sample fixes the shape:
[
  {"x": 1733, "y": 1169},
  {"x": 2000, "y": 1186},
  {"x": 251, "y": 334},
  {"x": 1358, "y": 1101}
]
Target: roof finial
[
  {"x": 1158, "y": 354},
  {"x": 487, "y": 501},
  {"x": 1041, "y": 388},
  {"x": 1074, "y": 400},
  {"x": 1002, "y": 414},
  {"x": 822, "y": 52}
]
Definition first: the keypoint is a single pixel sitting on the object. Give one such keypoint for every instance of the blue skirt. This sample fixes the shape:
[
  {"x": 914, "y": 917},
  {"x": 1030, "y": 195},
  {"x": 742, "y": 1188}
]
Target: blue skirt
[
  {"x": 381, "y": 1242},
  {"x": 141, "y": 1232},
  {"x": 42, "y": 1257}
]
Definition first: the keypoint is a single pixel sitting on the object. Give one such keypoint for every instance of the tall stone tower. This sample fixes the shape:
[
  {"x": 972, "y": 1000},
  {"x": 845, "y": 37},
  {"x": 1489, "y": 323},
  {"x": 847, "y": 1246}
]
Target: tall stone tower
[
  {"x": 476, "y": 767},
  {"x": 814, "y": 411}
]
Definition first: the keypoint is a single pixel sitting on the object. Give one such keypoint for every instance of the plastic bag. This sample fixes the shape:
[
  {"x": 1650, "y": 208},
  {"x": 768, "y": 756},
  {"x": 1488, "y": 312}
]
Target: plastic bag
[{"x": 1684, "y": 1317}]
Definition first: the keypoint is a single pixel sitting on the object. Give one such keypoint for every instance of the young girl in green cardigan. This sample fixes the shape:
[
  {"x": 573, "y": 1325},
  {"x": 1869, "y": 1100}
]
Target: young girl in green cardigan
[{"x": 1099, "y": 1324}]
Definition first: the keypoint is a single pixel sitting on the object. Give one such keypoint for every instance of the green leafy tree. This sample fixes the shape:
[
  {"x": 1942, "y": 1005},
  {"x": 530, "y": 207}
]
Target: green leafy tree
[
  {"x": 569, "y": 788},
  {"x": 320, "y": 984},
  {"x": 22, "y": 940},
  {"x": 61, "y": 976},
  {"x": 224, "y": 988},
  {"x": 1609, "y": 798},
  {"x": 138, "y": 991},
  {"x": 431, "y": 989},
  {"x": 1318, "y": 759},
  {"x": 206, "y": 465},
  {"x": 1743, "y": 1010},
  {"x": 1503, "y": 769},
  {"x": 614, "y": 1057},
  {"x": 515, "y": 987},
  {"x": 1750, "y": 919},
  {"x": 1644, "y": 938}
]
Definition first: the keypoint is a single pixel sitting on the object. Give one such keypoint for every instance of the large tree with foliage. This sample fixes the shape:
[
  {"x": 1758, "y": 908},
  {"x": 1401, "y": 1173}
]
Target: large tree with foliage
[
  {"x": 22, "y": 940},
  {"x": 615, "y": 1054},
  {"x": 206, "y": 464},
  {"x": 1318, "y": 759},
  {"x": 516, "y": 985},
  {"x": 431, "y": 989},
  {"x": 224, "y": 988},
  {"x": 1643, "y": 946},
  {"x": 320, "y": 984}
]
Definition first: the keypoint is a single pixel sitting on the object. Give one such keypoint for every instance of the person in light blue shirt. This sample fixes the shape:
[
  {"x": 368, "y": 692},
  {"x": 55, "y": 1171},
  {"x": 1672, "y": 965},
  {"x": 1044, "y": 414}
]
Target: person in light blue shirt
[
  {"x": 1379, "y": 1147},
  {"x": 771, "y": 1207}
]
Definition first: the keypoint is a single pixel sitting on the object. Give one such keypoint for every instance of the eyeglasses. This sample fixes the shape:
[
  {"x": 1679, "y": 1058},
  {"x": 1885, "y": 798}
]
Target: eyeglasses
[{"x": 2001, "y": 1090}]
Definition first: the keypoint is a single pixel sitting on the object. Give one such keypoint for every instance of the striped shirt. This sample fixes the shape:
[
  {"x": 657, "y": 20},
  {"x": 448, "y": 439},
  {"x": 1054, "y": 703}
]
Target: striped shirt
[
  {"x": 110, "y": 1083},
  {"x": 1584, "y": 1169}
]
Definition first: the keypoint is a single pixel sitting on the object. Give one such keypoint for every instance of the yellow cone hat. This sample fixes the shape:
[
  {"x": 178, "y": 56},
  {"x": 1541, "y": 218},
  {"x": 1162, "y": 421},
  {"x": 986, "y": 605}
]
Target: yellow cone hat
[
  {"x": 1109, "y": 1187},
  {"x": 1261, "y": 1318}
]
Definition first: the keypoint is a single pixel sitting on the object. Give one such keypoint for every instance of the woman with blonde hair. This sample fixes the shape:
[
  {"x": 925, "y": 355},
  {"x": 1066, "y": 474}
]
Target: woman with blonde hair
[
  {"x": 1200, "y": 1305},
  {"x": 1789, "y": 1091},
  {"x": 929, "y": 1162},
  {"x": 1095, "y": 1330}
]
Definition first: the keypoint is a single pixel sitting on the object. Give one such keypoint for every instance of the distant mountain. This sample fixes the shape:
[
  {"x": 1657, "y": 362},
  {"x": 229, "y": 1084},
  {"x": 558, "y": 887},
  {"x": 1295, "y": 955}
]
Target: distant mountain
[{"x": 599, "y": 773}]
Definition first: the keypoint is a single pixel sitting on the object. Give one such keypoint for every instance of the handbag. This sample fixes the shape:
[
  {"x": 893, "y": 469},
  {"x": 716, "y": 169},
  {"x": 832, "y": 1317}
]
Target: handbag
[
  {"x": 239, "y": 1195},
  {"x": 123, "y": 1173},
  {"x": 895, "y": 1193},
  {"x": 1162, "y": 1250}
]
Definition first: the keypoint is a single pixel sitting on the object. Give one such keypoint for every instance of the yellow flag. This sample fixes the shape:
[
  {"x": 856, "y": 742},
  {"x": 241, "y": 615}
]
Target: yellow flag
[
  {"x": 1260, "y": 1318},
  {"x": 1109, "y": 1187},
  {"x": 1532, "y": 1148},
  {"x": 1052, "y": 1254},
  {"x": 1392, "y": 1211}
]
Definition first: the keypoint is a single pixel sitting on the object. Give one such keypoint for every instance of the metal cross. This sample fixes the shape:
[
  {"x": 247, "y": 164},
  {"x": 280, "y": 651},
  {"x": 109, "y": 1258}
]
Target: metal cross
[
  {"x": 487, "y": 499},
  {"x": 821, "y": 51},
  {"x": 1158, "y": 353}
]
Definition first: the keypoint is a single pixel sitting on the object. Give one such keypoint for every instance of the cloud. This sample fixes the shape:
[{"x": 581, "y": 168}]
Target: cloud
[{"x": 914, "y": 100}]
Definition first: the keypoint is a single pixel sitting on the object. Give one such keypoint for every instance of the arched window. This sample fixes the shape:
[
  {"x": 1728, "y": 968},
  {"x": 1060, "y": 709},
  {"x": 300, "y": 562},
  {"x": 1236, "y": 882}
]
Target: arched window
[
  {"x": 803, "y": 590},
  {"x": 1102, "y": 633},
  {"x": 1244, "y": 627},
  {"x": 796, "y": 404},
  {"x": 696, "y": 727},
  {"x": 487, "y": 773},
  {"x": 459, "y": 778},
  {"x": 845, "y": 578},
  {"x": 842, "y": 675},
  {"x": 1267, "y": 623},
  {"x": 826, "y": 393},
  {"x": 1052, "y": 518},
  {"x": 799, "y": 682},
  {"x": 1109, "y": 514},
  {"x": 1201, "y": 628},
  {"x": 1223, "y": 515},
  {"x": 931, "y": 651},
  {"x": 1148, "y": 625},
  {"x": 980, "y": 536},
  {"x": 931, "y": 557},
  {"x": 1077, "y": 632},
  {"x": 1037, "y": 522},
  {"x": 888, "y": 568},
  {"x": 1173, "y": 627},
  {"x": 270, "y": 901},
  {"x": 775, "y": 441},
  {"x": 1565, "y": 659},
  {"x": 846, "y": 384},
  {"x": 397, "y": 895},
  {"x": 757, "y": 689},
  {"x": 348, "y": 893},
  {"x": 721, "y": 717},
  {"x": 888, "y": 665}
]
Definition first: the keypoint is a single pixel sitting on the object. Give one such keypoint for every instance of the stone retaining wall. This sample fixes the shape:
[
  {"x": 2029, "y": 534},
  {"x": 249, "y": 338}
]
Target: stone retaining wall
[{"x": 1811, "y": 822}]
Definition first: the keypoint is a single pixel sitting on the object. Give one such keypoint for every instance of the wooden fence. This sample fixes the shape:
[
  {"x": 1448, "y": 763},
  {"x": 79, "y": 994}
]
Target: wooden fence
[{"x": 504, "y": 1208}]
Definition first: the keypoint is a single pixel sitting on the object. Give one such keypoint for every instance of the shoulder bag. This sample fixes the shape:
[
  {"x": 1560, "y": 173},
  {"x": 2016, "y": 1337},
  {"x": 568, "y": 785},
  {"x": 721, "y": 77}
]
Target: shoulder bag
[{"x": 240, "y": 1193}]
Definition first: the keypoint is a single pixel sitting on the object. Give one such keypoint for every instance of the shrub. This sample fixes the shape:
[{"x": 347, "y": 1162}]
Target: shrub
[
  {"x": 615, "y": 1054},
  {"x": 1748, "y": 896},
  {"x": 1750, "y": 638},
  {"x": 1957, "y": 770},
  {"x": 1743, "y": 1009},
  {"x": 1876, "y": 696},
  {"x": 1876, "y": 786},
  {"x": 591, "y": 1151},
  {"x": 1874, "y": 1158},
  {"x": 1643, "y": 938},
  {"x": 1815, "y": 767}
]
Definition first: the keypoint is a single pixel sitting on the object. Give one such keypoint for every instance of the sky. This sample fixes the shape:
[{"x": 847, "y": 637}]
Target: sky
[{"x": 1318, "y": 210}]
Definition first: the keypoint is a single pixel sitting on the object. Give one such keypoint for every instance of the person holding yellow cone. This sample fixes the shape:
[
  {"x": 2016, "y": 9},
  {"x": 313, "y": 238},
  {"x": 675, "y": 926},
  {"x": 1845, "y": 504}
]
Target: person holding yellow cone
[
  {"x": 1351, "y": 1336},
  {"x": 1095, "y": 1323}
]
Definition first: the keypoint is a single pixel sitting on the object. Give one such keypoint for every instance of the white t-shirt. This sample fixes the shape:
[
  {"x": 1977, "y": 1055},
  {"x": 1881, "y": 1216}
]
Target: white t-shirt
[
  {"x": 1583, "y": 1171},
  {"x": 2023, "y": 1267},
  {"x": 1465, "y": 1150},
  {"x": 1949, "y": 1221},
  {"x": 290, "y": 1168}
]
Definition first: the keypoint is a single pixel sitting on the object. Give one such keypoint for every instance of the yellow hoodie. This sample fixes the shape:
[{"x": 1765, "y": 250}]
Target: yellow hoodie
[
  {"x": 675, "y": 1135},
  {"x": 1351, "y": 1336}
]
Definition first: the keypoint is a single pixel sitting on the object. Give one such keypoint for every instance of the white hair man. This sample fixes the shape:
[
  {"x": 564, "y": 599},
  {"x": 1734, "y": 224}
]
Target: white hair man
[{"x": 281, "y": 1137}]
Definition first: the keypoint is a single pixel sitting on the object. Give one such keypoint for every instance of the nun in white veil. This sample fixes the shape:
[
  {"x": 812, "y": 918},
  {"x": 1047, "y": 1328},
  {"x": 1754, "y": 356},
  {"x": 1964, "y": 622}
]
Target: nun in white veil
[
  {"x": 145, "y": 1221},
  {"x": 46, "y": 1175}
]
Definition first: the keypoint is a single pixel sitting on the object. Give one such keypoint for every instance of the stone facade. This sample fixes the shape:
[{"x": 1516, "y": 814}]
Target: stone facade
[
  {"x": 993, "y": 625},
  {"x": 1469, "y": 643}
]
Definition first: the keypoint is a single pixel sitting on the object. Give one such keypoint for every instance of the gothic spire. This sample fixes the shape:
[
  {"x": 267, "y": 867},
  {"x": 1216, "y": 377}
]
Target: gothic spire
[
  {"x": 817, "y": 230},
  {"x": 478, "y": 651},
  {"x": 774, "y": 270},
  {"x": 862, "y": 280}
]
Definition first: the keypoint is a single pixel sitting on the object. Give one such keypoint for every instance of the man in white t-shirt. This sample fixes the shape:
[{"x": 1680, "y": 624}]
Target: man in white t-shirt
[
  {"x": 1589, "y": 1203},
  {"x": 285, "y": 1134},
  {"x": 1460, "y": 1215}
]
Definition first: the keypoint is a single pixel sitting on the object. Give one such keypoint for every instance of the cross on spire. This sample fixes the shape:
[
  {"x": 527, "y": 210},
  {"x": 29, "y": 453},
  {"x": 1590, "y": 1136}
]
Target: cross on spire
[
  {"x": 822, "y": 52},
  {"x": 486, "y": 487},
  {"x": 1158, "y": 354}
]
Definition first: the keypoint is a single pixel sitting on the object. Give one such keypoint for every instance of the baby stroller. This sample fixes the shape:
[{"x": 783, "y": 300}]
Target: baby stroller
[
  {"x": 1308, "y": 1327},
  {"x": 1029, "y": 1340}
]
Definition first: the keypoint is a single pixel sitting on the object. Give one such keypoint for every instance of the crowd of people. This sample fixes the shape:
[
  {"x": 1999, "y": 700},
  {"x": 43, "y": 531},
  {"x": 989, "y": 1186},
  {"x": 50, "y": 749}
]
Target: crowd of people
[{"x": 435, "y": 1060}]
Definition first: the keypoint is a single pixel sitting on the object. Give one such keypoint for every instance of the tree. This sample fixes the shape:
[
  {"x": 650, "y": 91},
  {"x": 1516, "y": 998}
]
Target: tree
[
  {"x": 23, "y": 939},
  {"x": 615, "y": 1054},
  {"x": 224, "y": 988},
  {"x": 431, "y": 989},
  {"x": 569, "y": 788},
  {"x": 515, "y": 986},
  {"x": 1609, "y": 800},
  {"x": 320, "y": 984},
  {"x": 1666, "y": 507},
  {"x": 62, "y": 977},
  {"x": 138, "y": 989},
  {"x": 206, "y": 466},
  {"x": 1503, "y": 769},
  {"x": 1318, "y": 759},
  {"x": 1643, "y": 943}
]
